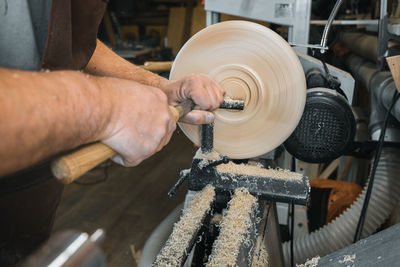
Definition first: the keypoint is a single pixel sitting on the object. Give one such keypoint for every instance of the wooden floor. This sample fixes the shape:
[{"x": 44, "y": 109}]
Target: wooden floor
[{"x": 130, "y": 203}]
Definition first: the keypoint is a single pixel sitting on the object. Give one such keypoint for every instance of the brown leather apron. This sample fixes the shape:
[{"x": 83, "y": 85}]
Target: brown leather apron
[
  {"x": 28, "y": 199},
  {"x": 72, "y": 33}
]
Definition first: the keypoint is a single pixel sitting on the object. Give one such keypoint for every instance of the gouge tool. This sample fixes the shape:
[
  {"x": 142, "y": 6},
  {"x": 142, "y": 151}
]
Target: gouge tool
[{"x": 71, "y": 166}]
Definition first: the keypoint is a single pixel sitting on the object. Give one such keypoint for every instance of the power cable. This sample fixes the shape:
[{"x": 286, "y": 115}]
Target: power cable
[
  {"x": 371, "y": 178},
  {"x": 105, "y": 167},
  {"x": 292, "y": 221}
]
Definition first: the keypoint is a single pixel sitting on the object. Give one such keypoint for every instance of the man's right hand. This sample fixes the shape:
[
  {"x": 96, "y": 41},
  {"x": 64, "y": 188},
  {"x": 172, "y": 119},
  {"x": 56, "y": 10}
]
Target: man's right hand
[{"x": 140, "y": 124}]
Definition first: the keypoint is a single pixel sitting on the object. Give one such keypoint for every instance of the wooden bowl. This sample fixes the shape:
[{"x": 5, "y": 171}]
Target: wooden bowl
[{"x": 254, "y": 64}]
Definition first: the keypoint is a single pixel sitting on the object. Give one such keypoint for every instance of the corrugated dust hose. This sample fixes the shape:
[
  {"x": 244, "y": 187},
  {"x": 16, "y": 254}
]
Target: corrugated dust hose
[{"x": 340, "y": 232}]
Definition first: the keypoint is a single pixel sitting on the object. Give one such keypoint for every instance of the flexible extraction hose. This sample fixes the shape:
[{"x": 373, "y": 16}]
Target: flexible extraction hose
[{"x": 340, "y": 232}]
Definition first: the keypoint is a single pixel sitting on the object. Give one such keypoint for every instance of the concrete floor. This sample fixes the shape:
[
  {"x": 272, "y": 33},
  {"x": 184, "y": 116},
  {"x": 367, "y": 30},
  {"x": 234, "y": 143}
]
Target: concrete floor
[{"x": 130, "y": 203}]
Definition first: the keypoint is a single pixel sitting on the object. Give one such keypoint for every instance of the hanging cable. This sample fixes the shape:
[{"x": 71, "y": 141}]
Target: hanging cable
[
  {"x": 360, "y": 224},
  {"x": 291, "y": 235},
  {"x": 293, "y": 169},
  {"x": 106, "y": 165}
]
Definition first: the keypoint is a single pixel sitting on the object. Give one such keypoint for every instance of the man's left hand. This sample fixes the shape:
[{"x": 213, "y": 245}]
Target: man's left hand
[{"x": 205, "y": 93}]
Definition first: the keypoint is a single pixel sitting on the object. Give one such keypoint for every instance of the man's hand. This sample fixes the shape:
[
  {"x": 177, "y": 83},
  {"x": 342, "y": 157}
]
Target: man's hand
[
  {"x": 206, "y": 94},
  {"x": 141, "y": 123}
]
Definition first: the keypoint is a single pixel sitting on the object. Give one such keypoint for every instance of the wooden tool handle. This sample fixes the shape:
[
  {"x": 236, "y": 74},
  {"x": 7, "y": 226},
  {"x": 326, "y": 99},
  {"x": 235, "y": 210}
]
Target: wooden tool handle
[
  {"x": 157, "y": 66},
  {"x": 175, "y": 112},
  {"x": 70, "y": 167}
]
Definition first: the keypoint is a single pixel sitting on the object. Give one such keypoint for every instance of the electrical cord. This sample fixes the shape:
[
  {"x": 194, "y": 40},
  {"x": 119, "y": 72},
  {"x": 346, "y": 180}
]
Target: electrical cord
[
  {"x": 292, "y": 221},
  {"x": 371, "y": 177},
  {"x": 105, "y": 167},
  {"x": 332, "y": 81},
  {"x": 292, "y": 235}
]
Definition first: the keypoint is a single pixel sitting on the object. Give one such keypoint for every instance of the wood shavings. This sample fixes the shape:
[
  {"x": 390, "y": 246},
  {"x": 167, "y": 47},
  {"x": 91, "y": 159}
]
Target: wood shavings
[
  {"x": 258, "y": 170},
  {"x": 348, "y": 258},
  {"x": 213, "y": 155},
  {"x": 175, "y": 249},
  {"x": 234, "y": 226},
  {"x": 310, "y": 263},
  {"x": 216, "y": 219},
  {"x": 205, "y": 159},
  {"x": 260, "y": 258},
  {"x": 232, "y": 102}
]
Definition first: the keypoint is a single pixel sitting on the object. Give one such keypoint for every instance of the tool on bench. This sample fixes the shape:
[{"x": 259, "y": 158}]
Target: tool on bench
[
  {"x": 69, "y": 248},
  {"x": 69, "y": 167}
]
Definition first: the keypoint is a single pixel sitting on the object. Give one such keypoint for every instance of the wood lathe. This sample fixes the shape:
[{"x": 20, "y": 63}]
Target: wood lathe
[{"x": 255, "y": 65}]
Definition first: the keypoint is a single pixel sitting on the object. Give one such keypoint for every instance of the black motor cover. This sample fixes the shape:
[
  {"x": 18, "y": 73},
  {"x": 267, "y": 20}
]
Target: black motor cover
[{"x": 326, "y": 128}]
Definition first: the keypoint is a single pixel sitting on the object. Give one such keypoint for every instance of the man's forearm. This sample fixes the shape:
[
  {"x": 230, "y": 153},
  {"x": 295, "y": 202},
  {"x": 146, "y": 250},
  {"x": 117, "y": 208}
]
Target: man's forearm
[
  {"x": 42, "y": 114},
  {"x": 105, "y": 62}
]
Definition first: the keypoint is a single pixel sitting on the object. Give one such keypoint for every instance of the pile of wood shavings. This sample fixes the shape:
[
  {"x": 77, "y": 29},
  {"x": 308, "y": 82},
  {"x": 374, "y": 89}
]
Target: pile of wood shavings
[
  {"x": 179, "y": 241},
  {"x": 233, "y": 229},
  {"x": 258, "y": 170}
]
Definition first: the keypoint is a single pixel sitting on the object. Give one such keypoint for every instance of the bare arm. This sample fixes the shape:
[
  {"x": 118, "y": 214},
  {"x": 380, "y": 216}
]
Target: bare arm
[
  {"x": 42, "y": 114},
  {"x": 204, "y": 92},
  {"x": 106, "y": 62}
]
